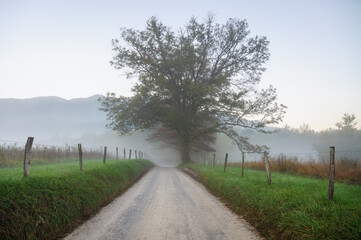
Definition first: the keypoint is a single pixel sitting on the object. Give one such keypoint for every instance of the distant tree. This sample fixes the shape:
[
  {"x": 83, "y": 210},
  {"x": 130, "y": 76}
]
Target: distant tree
[
  {"x": 347, "y": 123},
  {"x": 193, "y": 84},
  {"x": 305, "y": 128},
  {"x": 346, "y": 138}
]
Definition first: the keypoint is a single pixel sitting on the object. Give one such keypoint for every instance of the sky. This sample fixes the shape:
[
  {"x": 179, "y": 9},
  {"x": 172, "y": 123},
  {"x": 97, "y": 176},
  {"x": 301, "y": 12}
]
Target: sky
[{"x": 63, "y": 48}]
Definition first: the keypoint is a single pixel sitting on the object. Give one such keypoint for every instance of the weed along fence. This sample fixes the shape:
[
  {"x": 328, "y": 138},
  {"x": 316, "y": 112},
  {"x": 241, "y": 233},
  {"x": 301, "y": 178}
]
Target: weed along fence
[
  {"x": 349, "y": 169},
  {"x": 15, "y": 154}
]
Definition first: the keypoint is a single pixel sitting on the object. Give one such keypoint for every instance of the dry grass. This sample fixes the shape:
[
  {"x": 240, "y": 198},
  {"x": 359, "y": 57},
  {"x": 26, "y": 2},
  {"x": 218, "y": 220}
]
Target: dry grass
[
  {"x": 347, "y": 170},
  {"x": 13, "y": 155}
]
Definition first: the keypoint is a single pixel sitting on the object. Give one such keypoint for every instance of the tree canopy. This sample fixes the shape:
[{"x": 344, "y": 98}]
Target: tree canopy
[
  {"x": 193, "y": 83},
  {"x": 347, "y": 123},
  {"x": 346, "y": 138}
]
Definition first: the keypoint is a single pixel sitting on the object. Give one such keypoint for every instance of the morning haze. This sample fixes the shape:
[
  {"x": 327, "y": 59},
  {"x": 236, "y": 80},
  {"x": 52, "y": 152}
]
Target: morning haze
[
  {"x": 181, "y": 120},
  {"x": 314, "y": 49},
  {"x": 45, "y": 54}
]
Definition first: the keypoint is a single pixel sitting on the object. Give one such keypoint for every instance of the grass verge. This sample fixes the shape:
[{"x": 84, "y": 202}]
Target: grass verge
[
  {"x": 55, "y": 198},
  {"x": 292, "y": 207},
  {"x": 347, "y": 170}
]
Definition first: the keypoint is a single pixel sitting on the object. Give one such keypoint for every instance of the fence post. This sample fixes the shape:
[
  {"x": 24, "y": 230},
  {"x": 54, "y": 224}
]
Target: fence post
[
  {"x": 105, "y": 155},
  {"x": 225, "y": 163},
  {"x": 242, "y": 162},
  {"x": 331, "y": 183},
  {"x": 214, "y": 160},
  {"x": 116, "y": 150},
  {"x": 125, "y": 154},
  {"x": 29, "y": 144},
  {"x": 135, "y": 154},
  {"x": 80, "y": 157},
  {"x": 265, "y": 158},
  {"x": 130, "y": 154}
]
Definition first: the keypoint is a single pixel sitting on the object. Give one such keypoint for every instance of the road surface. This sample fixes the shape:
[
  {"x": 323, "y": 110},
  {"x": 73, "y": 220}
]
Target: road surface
[{"x": 165, "y": 204}]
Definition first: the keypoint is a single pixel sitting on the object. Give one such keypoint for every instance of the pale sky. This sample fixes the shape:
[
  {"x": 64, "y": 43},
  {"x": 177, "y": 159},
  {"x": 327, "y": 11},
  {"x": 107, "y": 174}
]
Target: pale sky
[{"x": 63, "y": 48}]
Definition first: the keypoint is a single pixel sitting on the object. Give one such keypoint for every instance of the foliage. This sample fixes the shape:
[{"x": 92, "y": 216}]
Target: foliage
[
  {"x": 347, "y": 123},
  {"x": 194, "y": 83},
  {"x": 304, "y": 141},
  {"x": 292, "y": 207},
  {"x": 346, "y": 138},
  {"x": 55, "y": 198}
]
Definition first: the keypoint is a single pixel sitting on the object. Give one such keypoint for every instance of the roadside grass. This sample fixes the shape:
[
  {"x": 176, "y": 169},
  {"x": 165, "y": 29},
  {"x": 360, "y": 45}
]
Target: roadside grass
[
  {"x": 57, "y": 197},
  {"x": 51, "y": 169},
  {"x": 347, "y": 170},
  {"x": 292, "y": 207}
]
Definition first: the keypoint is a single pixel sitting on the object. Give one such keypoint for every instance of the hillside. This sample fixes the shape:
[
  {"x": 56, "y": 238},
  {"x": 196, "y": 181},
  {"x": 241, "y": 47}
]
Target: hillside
[{"x": 46, "y": 117}]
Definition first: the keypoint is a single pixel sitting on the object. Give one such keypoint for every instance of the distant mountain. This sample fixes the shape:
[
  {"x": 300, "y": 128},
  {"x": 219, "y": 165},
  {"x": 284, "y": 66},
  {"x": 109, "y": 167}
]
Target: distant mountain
[
  {"x": 44, "y": 117},
  {"x": 57, "y": 121}
]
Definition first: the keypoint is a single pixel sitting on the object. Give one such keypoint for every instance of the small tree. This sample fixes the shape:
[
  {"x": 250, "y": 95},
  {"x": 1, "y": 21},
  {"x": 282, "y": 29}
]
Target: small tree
[
  {"x": 193, "y": 84},
  {"x": 347, "y": 123},
  {"x": 346, "y": 138}
]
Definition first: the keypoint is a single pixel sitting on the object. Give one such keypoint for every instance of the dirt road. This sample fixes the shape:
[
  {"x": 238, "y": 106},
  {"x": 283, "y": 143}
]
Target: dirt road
[{"x": 165, "y": 204}]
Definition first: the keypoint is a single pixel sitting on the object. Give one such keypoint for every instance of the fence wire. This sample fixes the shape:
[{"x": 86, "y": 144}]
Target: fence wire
[{"x": 12, "y": 153}]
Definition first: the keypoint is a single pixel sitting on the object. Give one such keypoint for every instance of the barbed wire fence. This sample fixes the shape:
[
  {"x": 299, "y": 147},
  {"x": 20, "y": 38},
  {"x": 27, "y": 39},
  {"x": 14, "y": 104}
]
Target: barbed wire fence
[
  {"x": 347, "y": 162},
  {"x": 12, "y": 153},
  {"x": 206, "y": 157}
]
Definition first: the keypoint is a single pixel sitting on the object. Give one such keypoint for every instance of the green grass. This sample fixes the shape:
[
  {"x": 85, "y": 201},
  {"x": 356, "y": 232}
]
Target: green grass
[
  {"x": 55, "y": 198},
  {"x": 292, "y": 207}
]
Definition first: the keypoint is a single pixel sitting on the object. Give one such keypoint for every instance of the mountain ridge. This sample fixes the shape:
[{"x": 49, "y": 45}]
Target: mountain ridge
[
  {"x": 54, "y": 97},
  {"x": 48, "y": 116}
]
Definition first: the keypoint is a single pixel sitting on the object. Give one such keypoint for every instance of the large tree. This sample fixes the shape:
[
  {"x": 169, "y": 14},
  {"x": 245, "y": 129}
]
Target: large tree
[{"x": 193, "y": 83}]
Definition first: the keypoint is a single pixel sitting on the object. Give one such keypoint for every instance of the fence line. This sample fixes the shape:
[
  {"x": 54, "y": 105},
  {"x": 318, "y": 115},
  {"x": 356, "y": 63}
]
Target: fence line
[
  {"x": 13, "y": 155},
  {"x": 200, "y": 159}
]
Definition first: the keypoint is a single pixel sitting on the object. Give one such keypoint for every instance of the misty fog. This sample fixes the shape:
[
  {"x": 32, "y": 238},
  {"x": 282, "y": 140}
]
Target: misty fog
[{"x": 56, "y": 121}]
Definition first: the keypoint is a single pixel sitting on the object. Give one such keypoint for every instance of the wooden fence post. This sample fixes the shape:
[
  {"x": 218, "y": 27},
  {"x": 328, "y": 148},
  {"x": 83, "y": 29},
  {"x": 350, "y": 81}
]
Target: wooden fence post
[
  {"x": 214, "y": 160},
  {"x": 80, "y": 157},
  {"x": 125, "y": 154},
  {"x": 116, "y": 152},
  {"x": 105, "y": 155},
  {"x": 267, "y": 167},
  {"x": 225, "y": 163},
  {"x": 331, "y": 183},
  {"x": 130, "y": 154},
  {"x": 29, "y": 144},
  {"x": 242, "y": 162},
  {"x": 136, "y": 154}
]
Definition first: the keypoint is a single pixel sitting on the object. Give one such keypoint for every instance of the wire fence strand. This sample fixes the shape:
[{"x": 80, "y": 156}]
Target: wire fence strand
[{"x": 12, "y": 153}]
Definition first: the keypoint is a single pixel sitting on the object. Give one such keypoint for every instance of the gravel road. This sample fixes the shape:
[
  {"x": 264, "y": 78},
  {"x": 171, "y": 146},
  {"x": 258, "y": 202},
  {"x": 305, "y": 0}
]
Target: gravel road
[{"x": 165, "y": 204}]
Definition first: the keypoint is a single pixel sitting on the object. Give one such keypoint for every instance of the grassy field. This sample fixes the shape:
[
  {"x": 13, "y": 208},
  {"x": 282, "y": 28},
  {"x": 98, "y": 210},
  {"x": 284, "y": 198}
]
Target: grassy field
[
  {"x": 56, "y": 197},
  {"x": 292, "y": 207},
  {"x": 347, "y": 170}
]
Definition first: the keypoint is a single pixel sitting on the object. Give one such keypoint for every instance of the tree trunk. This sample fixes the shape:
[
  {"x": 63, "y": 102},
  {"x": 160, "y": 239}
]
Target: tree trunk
[{"x": 186, "y": 147}]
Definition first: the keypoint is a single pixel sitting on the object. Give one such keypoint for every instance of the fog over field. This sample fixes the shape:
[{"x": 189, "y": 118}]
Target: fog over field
[
  {"x": 56, "y": 121},
  {"x": 180, "y": 119}
]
